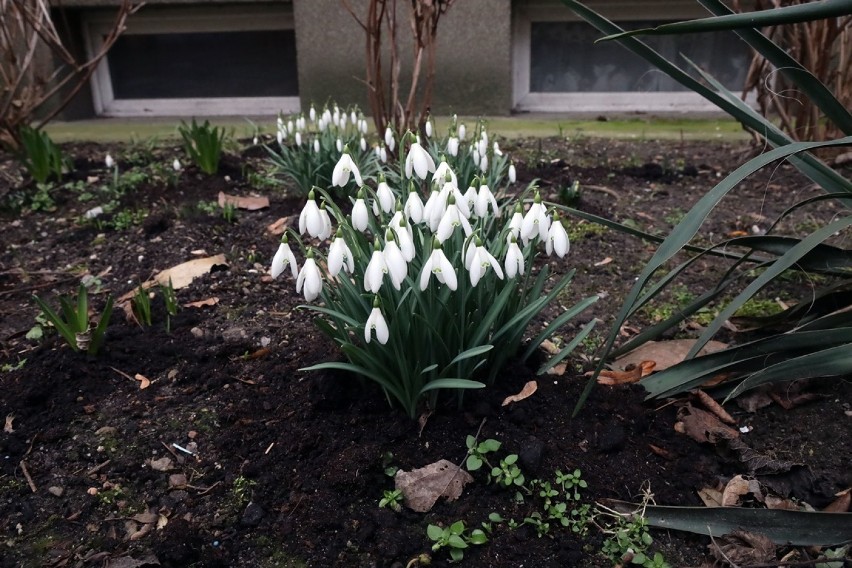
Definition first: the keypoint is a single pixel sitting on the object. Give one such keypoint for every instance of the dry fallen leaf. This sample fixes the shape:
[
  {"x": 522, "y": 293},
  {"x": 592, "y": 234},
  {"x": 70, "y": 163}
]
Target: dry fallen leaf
[
  {"x": 177, "y": 481},
  {"x": 665, "y": 353},
  {"x": 710, "y": 496},
  {"x": 604, "y": 262},
  {"x": 144, "y": 382},
  {"x": 183, "y": 274},
  {"x": 162, "y": 464},
  {"x": 279, "y": 226},
  {"x": 741, "y": 548},
  {"x": 703, "y": 426},
  {"x": 201, "y": 303},
  {"x": 841, "y": 504},
  {"x": 250, "y": 203},
  {"x": 632, "y": 375},
  {"x": 662, "y": 452},
  {"x": 753, "y": 400},
  {"x": 549, "y": 347},
  {"x": 8, "y": 426},
  {"x": 737, "y": 488},
  {"x": 714, "y": 407},
  {"x": 422, "y": 487},
  {"x": 526, "y": 392}
]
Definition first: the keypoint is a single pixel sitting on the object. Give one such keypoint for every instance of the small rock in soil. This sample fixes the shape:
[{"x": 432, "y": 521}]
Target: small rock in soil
[
  {"x": 56, "y": 490},
  {"x": 197, "y": 332},
  {"x": 252, "y": 515},
  {"x": 234, "y": 335},
  {"x": 611, "y": 437},
  {"x": 106, "y": 431}
]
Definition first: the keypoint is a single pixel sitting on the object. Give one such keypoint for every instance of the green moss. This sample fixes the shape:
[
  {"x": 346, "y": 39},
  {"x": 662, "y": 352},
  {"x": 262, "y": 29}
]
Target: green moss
[{"x": 755, "y": 308}]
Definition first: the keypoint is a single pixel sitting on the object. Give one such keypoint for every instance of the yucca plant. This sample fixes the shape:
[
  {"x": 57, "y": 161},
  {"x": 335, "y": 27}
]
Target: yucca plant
[{"x": 819, "y": 342}]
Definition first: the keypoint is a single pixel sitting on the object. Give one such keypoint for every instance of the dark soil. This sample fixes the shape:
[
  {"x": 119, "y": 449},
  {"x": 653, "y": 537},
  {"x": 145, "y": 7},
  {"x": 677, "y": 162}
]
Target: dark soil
[{"x": 287, "y": 467}]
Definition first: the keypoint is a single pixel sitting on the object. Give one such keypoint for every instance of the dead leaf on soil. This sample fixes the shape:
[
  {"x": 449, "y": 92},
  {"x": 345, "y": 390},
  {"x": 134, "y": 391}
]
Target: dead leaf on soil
[
  {"x": 841, "y": 504},
  {"x": 183, "y": 274},
  {"x": 145, "y": 518},
  {"x": 662, "y": 452},
  {"x": 144, "y": 382},
  {"x": 703, "y": 426},
  {"x": 631, "y": 375},
  {"x": 604, "y": 262},
  {"x": 742, "y": 548},
  {"x": 773, "y": 502},
  {"x": 737, "y": 488},
  {"x": 558, "y": 369},
  {"x": 201, "y": 303},
  {"x": 526, "y": 392},
  {"x": 714, "y": 407},
  {"x": 162, "y": 464},
  {"x": 757, "y": 463},
  {"x": 710, "y": 496},
  {"x": 8, "y": 426},
  {"x": 665, "y": 353},
  {"x": 279, "y": 226},
  {"x": 422, "y": 487},
  {"x": 129, "y": 562},
  {"x": 177, "y": 481},
  {"x": 754, "y": 400},
  {"x": 549, "y": 347},
  {"x": 250, "y": 203},
  {"x": 138, "y": 534}
]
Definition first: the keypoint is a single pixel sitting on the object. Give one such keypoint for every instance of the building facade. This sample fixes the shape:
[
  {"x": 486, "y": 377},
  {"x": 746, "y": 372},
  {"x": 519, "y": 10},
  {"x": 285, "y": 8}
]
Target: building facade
[{"x": 494, "y": 57}]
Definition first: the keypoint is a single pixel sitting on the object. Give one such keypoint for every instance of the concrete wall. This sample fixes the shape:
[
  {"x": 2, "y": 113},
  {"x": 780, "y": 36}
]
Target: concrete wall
[{"x": 473, "y": 74}]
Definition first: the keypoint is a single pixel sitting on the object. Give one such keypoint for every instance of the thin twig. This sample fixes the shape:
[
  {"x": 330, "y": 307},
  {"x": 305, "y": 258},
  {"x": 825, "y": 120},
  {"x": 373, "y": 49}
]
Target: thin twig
[{"x": 28, "y": 477}]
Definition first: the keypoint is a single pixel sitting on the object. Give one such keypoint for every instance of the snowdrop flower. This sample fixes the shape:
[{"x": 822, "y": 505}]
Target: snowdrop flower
[
  {"x": 376, "y": 270},
  {"x": 470, "y": 198},
  {"x": 483, "y": 199},
  {"x": 513, "y": 174},
  {"x": 300, "y": 122},
  {"x": 376, "y": 322},
  {"x": 279, "y": 122},
  {"x": 290, "y": 126},
  {"x": 176, "y": 165},
  {"x": 389, "y": 138},
  {"x": 335, "y": 116},
  {"x": 434, "y": 209},
  {"x": 313, "y": 114},
  {"x": 108, "y": 161},
  {"x": 462, "y": 131},
  {"x": 442, "y": 172},
  {"x": 440, "y": 267},
  {"x": 517, "y": 221},
  {"x": 383, "y": 154},
  {"x": 310, "y": 278},
  {"x": 298, "y": 139},
  {"x": 475, "y": 155},
  {"x": 480, "y": 261},
  {"x": 360, "y": 215},
  {"x": 413, "y": 205},
  {"x": 339, "y": 145},
  {"x": 419, "y": 161},
  {"x": 483, "y": 163},
  {"x": 397, "y": 267},
  {"x": 363, "y": 144},
  {"x": 406, "y": 242},
  {"x": 514, "y": 258},
  {"x": 385, "y": 196},
  {"x": 339, "y": 256},
  {"x": 364, "y": 127},
  {"x": 326, "y": 223},
  {"x": 353, "y": 117},
  {"x": 536, "y": 222},
  {"x": 453, "y": 146},
  {"x": 254, "y": 140},
  {"x": 310, "y": 219},
  {"x": 496, "y": 149},
  {"x": 283, "y": 258},
  {"x": 451, "y": 219},
  {"x": 428, "y": 128},
  {"x": 483, "y": 144},
  {"x": 345, "y": 166},
  {"x": 316, "y": 146},
  {"x": 557, "y": 238}
]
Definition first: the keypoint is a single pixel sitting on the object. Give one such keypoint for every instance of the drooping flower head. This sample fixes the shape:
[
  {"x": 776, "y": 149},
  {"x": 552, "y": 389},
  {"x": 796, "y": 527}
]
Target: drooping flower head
[
  {"x": 376, "y": 323},
  {"x": 283, "y": 258},
  {"x": 385, "y": 197},
  {"x": 557, "y": 238},
  {"x": 310, "y": 278},
  {"x": 514, "y": 258},
  {"x": 440, "y": 266},
  {"x": 310, "y": 219},
  {"x": 340, "y": 256},
  {"x": 360, "y": 214},
  {"x": 418, "y": 161},
  {"x": 345, "y": 165},
  {"x": 536, "y": 222},
  {"x": 376, "y": 269}
]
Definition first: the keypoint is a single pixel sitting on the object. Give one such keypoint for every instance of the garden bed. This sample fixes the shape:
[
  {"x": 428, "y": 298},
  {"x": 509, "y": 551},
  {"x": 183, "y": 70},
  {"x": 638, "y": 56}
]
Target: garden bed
[{"x": 271, "y": 466}]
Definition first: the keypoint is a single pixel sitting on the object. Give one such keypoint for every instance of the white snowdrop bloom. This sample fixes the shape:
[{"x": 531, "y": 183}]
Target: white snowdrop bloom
[
  {"x": 300, "y": 123},
  {"x": 383, "y": 155},
  {"x": 385, "y": 196},
  {"x": 316, "y": 146},
  {"x": 298, "y": 139},
  {"x": 176, "y": 165},
  {"x": 339, "y": 145},
  {"x": 340, "y": 256},
  {"x": 440, "y": 266},
  {"x": 397, "y": 267},
  {"x": 452, "y": 218},
  {"x": 406, "y": 241},
  {"x": 517, "y": 221},
  {"x": 326, "y": 116},
  {"x": 310, "y": 219},
  {"x": 536, "y": 222},
  {"x": 326, "y": 223},
  {"x": 434, "y": 209},
  {"x": 377, "y": 150},
  {"x": 310, "y": 278},
  {"x": 353, "y": 117},
  {"x": 313, "y": 114},
  {"x": 462, "y": 131},
  {"x": 418, "y": 161},
  {"x": 283, "y": 258},
  {"x": 483, "y": 145},
  {"x": 557, "y": 238},
  {"x": 363, "y": 144},
  {"x": 428, "y": 128},
  {"x": 360, "y": 215},
  {"x": 484, "y": 199},
  {"x": 364, "y": 127},
  {"x": 375, "y": 272},
  {"x": 453, "y": 146},
  {"x": 496, "y": 149},
  {"x": 481, "y": 261},
  {"x": 483, "y": 163},
  {"x": 335, "y": 116},
  {"x": 476, "y": 155},
  {"x": 514, "y": 259},
  {"x": 483, "y": 138},
  {"x": 470, "y": 199},
  {"x": 390, "y": 140},
  {"x": 442, "y": 171},
  {"x": 513, "y": 174},
  {"x": 279, "y": 122},
  {"x": 254, "y": 141},
  {"x": 376, "y": 322},
  {"x": 414, "y": 206},
  {"x": 290, "y": 126},
  {"x": 345, "y": 166}
]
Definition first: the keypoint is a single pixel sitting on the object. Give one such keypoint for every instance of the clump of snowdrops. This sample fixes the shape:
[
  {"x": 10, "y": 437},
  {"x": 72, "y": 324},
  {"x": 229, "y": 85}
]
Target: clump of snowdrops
[
  {"x": 308, "y": 147},
  {"x": 428, "y": 284}
]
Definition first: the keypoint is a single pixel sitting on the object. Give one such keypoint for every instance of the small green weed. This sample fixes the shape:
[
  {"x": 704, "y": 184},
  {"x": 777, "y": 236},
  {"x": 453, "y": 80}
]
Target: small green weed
[
  {"x": 74, "y": 326},
  {"x": 203, "y": 143}
]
